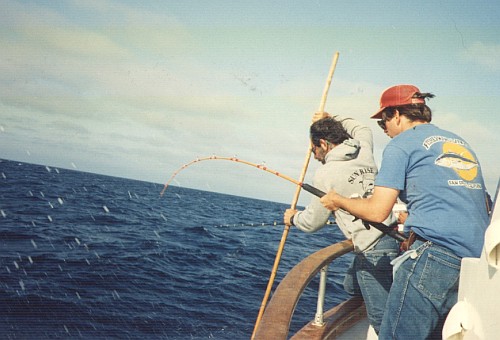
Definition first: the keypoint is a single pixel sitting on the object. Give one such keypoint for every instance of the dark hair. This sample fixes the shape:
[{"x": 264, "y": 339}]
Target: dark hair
[
  {"x": 413, "y": 111},
  {"x": 328, "y": 129}
]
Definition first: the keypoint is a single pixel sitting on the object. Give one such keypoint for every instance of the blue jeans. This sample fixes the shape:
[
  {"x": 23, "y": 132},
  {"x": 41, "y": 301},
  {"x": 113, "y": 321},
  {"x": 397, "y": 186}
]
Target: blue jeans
[
  {"x": 370, "y": 275},
  {"x": 424, "y": 290}
]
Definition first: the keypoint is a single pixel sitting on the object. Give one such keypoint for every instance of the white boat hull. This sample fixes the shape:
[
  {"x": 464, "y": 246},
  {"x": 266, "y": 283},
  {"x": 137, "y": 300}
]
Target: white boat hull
[{"x": 475, "y": 316}]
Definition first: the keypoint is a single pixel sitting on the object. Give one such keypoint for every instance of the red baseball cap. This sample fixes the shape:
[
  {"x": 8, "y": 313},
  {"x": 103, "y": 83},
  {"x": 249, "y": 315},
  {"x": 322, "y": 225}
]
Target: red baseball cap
[{"x": 396, "y": 96}]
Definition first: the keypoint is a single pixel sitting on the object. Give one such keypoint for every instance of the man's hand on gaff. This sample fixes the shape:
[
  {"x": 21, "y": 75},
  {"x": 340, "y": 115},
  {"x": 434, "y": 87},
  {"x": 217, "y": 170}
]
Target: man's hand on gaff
[
  {"x": 320, "y": 115},
  {"x": 288, "y": 216},
  {"x": 329, "y": 201}
]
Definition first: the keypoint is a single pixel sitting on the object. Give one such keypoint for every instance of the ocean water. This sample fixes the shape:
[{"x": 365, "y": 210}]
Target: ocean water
[{"x": 97, "y": 257}]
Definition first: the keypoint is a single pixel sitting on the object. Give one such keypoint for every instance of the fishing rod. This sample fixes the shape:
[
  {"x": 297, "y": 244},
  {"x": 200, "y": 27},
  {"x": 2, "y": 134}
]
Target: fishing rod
[
  {"x": 309, "y": 188},
  {"x": 305, "y": 186},
  {"x": 386, "y": 229}
]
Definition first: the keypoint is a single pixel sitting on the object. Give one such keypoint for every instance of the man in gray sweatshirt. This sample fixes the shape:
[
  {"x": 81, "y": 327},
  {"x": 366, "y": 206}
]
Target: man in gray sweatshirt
[{"x": 345, "y": 148}]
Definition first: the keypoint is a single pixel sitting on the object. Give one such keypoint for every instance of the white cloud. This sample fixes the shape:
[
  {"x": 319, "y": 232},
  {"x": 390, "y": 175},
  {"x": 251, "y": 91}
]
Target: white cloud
[
  {"x": 487, "y": 55},
  {"x": 132, "y": 91}
]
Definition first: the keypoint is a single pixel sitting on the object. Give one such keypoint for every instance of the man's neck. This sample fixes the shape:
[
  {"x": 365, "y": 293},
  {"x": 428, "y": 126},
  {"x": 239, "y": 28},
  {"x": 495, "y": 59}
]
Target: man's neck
[{"x": 411, "y": 125}]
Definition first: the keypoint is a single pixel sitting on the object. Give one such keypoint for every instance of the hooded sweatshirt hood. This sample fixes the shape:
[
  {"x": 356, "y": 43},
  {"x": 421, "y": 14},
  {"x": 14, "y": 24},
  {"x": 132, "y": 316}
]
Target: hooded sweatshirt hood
[{"x": 346, "y": 151}]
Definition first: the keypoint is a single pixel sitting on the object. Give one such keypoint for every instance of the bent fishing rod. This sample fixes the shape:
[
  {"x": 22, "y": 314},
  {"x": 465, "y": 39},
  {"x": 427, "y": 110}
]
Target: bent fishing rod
[
  {"x": 309, "y": 188},
  {"x": 305, "y": 186}
]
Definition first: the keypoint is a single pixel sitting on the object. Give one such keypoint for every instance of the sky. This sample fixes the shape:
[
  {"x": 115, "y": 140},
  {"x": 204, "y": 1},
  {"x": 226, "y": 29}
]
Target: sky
[{"x": 137, "y": 89}]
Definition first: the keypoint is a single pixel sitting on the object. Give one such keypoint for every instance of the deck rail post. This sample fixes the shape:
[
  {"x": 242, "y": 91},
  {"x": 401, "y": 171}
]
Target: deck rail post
[{"x": 318, "y": 319}]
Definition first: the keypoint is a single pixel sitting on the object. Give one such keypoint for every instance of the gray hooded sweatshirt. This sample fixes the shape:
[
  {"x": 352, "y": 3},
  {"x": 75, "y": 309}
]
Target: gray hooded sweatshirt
[{"x": 349, "y": 169}]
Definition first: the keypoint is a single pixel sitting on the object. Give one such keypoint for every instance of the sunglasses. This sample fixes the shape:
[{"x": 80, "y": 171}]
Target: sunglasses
[{"x": 381, "y": 123}]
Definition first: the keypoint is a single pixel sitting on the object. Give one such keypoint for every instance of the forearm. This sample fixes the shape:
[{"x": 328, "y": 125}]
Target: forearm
[
  {"x": 361, "y": 208},
  {"x": 311, "y": 220},
  {"x": 374, "y": 209}
]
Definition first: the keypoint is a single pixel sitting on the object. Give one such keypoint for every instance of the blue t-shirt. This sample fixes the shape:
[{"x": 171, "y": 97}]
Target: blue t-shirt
[{"x": 439, "y": 178}]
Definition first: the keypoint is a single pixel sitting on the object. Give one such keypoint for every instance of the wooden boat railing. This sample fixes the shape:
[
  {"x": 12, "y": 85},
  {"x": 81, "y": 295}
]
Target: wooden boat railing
[{"x": 275, "y": 323}]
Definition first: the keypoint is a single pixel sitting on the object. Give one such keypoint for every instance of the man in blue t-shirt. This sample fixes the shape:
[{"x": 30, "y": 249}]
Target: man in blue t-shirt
[{"x": 438, "y": 176}]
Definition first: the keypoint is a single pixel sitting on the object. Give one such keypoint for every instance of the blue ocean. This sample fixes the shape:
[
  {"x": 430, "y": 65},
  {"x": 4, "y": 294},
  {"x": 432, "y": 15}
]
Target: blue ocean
[{"x": 97, "y": 257}]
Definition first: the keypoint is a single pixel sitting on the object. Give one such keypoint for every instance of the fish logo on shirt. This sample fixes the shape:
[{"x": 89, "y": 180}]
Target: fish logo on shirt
[
  {"x": 460, "y": 159},
  {"x": 455, "y": 161},
  {"x": 368, "y": 183}
]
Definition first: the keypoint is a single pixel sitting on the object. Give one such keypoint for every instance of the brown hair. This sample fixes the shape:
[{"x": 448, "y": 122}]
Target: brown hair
[{"x": 328, "y": 129}]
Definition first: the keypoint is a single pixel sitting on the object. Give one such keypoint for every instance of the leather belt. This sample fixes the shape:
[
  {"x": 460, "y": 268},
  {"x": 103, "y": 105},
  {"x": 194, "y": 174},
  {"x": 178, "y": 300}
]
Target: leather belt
[
  {"x": 405, "y": 245},
  {"x": 420, "y": 238}
]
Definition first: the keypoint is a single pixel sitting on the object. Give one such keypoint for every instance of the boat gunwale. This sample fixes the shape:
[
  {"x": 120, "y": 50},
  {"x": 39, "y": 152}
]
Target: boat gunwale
[{"x": 275, "y": 323}]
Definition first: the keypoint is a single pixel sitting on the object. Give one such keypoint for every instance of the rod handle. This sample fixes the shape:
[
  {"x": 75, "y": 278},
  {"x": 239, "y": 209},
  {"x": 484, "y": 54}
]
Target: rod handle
[{"x": 313, "y": 190}]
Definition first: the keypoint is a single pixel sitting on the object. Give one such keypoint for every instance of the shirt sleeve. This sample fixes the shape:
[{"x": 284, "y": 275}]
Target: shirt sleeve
[
  {"x": 357, "y": 130},
  {"x": 392, "y": 172},
  {"x": 315, "y": 215}
]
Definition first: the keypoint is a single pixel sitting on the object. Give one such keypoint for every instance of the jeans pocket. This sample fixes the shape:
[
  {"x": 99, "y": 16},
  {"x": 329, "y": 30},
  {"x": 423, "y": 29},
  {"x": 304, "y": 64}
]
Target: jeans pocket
[{"x": 440, "y": 274}]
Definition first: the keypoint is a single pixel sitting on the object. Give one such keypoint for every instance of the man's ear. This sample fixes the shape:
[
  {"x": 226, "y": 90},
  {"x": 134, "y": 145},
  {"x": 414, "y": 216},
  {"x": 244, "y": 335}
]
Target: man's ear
[{"x": 397, "y": 114}]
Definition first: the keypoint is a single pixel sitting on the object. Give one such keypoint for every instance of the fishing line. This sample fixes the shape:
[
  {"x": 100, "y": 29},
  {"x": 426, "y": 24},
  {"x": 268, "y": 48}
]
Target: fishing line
[
  {"x": 304, "y": 186},
  {"x": 263, "y": 224}
]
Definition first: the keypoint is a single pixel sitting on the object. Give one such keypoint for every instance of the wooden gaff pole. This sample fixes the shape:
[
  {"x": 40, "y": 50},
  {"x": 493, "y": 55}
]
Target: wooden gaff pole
[{"x": 295, "y": 200}]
